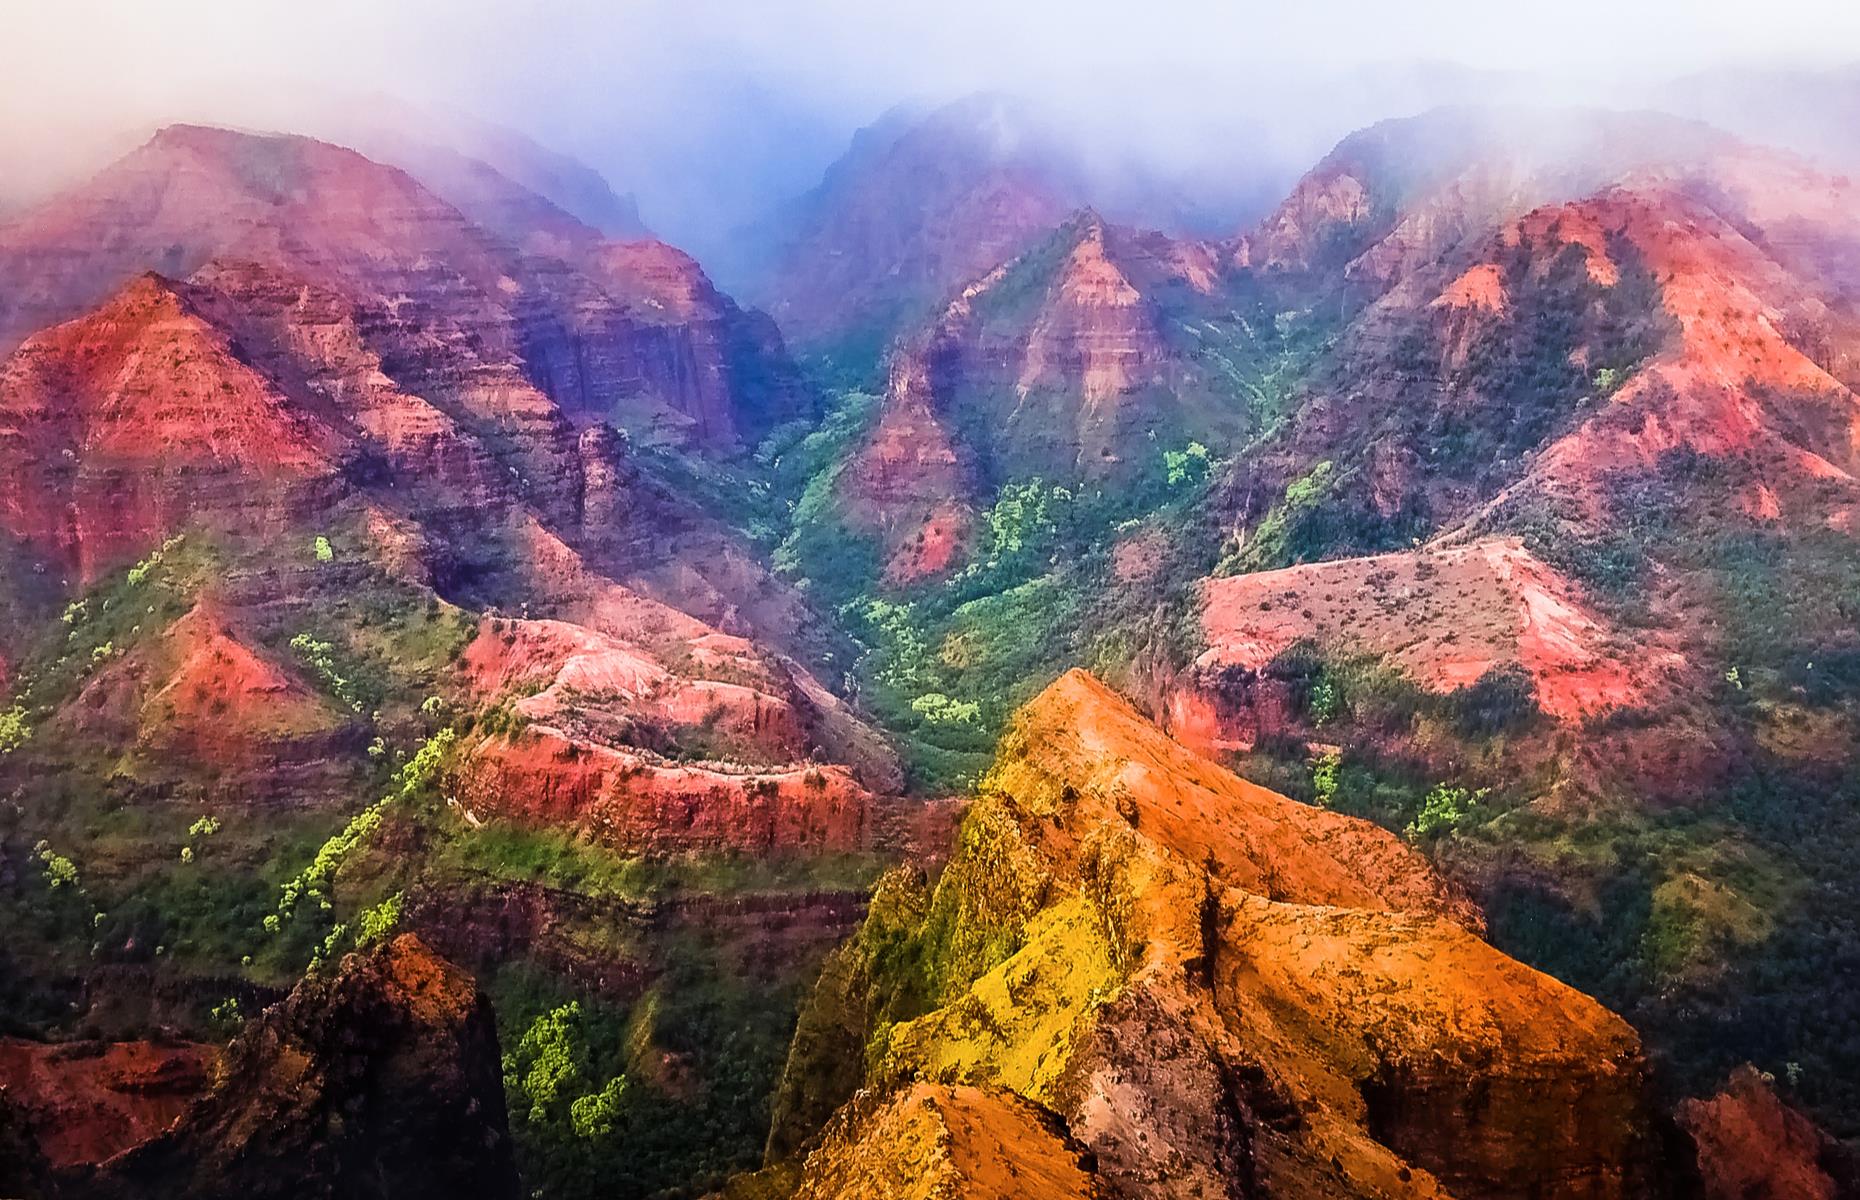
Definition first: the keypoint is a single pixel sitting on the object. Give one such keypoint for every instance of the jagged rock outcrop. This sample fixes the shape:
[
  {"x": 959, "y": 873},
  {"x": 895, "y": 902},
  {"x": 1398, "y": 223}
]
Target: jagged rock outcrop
[
  {"x": 1753, "y": 1146},
  {"x": 1079, "y": 361},
  {"x": 1222, "y": 992},
  {"x": 381, "y": 1079},
  {"x": 931, "y": 1140}
]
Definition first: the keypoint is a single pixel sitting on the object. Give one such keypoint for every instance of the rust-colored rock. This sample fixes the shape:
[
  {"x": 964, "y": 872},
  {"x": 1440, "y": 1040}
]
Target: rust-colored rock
[
  {"x": 934, "y": 1141},
  {"x": 89, "y": 1101},
  {"x": 1445, "y": 616},
  {"x": 381, "y": 1079},
  {"x": 1753, "y": 1146},
  {"x": 1221, "y": 992}
]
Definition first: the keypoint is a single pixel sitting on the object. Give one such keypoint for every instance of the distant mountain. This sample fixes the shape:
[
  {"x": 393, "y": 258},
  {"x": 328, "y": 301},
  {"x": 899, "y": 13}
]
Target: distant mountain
[
  {"x": 638, "y": 334},
  {"x": 924, "y": 201},
  {"x": 1080, "y": 361},
  {"x": 428, "y": 142}
]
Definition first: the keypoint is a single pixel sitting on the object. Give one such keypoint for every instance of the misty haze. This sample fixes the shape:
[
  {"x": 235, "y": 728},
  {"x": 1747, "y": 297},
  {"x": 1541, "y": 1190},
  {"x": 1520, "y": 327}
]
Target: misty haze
[{"x": 826, "y": 600}]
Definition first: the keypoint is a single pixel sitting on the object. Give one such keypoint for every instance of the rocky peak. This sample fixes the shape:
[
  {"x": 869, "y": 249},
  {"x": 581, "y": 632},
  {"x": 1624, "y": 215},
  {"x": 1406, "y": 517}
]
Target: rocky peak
[
  {"x": 381, "y": 1078},
  {"x": 1217, "y": 990},
  {"x": 628, "y": 333},
  {"x": 147, "y": 390}
]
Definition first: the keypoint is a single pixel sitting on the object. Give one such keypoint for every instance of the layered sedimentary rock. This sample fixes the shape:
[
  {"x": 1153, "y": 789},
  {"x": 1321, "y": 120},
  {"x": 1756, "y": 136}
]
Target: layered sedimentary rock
[
  {"x": 380, "y": 1079},
  {"x": 116, "y": 428},
  {"x": 377, "y": 371},
  {"x": 84, "y": 1102},
  {"x": 606, "y": 739},
  {"x": 632, "y": 332},
  {"x": 1079, "y": 361},
  {"x": 1222, "y": 992}
]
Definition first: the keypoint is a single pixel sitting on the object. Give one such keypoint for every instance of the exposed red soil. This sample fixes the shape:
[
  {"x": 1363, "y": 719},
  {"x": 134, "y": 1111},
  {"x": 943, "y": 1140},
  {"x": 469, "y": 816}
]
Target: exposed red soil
[
  {"x": 1755, "y": 374},
  {"x": 203, "y": 701},
  {"x": 1068, "y": 368},
  {"x": 88, "y": 1101},
  {"x": 1444, "y": 616},
  {"x": 632, "y": 330}
]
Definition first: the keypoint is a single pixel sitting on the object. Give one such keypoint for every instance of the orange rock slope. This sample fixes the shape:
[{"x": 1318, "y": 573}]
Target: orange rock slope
[
  {"x": 932, "y": 1141},
  {"x": 1219, "y": 991}
]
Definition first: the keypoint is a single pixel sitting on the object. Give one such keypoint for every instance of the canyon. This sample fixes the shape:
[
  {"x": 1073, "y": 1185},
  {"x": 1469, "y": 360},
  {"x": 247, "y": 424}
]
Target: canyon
[{"x": 1358, "y": 705}]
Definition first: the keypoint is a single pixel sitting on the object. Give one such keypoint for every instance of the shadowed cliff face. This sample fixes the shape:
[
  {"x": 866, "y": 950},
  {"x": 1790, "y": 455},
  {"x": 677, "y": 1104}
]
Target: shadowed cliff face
[
  {"x": 1218, "y": 989},
  {"x": 381, "y": 1079}
]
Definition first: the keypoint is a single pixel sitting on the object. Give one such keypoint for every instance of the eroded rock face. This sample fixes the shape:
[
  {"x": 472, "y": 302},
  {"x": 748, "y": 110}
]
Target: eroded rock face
[
  {"x": 1221, "y": 992},
  {"x": 632, "y": 332},
  {"x": 1753, "y": 1146},
  {"x": 85, "y": 1102},
  {"x": 380, "y": 1080},
  {"x": 1067, "y": 362},
  {"x": 732, "y": 749},
  {"x": 932, "y": 1140},
  {"x": 117, "y": 428}
]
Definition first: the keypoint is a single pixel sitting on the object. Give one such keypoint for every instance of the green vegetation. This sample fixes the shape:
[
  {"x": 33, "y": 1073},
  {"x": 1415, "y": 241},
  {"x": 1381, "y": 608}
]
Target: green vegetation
[
  {"x": 320, "y": 658},
  {"x": 13, "y": 729},
  {"x": 1443, "y": 811},
  {"x": 59, "y": 870},
  {"x": 1186, "y": 466},
  {"x": 1324, "y": 771},
  {"x": 548, "y": 1070}
]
